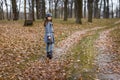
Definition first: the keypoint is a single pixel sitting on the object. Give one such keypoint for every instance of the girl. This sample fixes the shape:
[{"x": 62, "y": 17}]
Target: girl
[{"x": 49, "y": 35}]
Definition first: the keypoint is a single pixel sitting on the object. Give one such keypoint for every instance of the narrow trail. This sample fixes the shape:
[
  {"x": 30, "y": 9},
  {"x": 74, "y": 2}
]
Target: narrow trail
[
  {"x": 66, "y": 44},
  {"x": 108, "y": 67},
  {"x": 55, "y": 69}
]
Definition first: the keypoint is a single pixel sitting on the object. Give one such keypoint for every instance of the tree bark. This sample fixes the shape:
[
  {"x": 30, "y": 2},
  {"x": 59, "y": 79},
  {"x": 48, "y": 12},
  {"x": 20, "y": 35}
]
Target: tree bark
[
  {"x": 90, "y": 10},
  {"x": 107, "y": 8},
  {"x": 104, "y": 10},
  {"x": 71, "y": 8},
  {"x": 112, "y": 12},
  {"x": 78, "y": 11},
  {"x": 1, "y": 10},
  {"x": 6, "y": 4},
  {"x": 119, "y": 8},
  {"x": 33, "y": 16},
  {"x": 65, "y": 10},
  {"x": 14, "y": 9},
  {"x": 56, "y": 3},
  {"x": 25, "y": 10},
  {"x": 85, "y": 8},
  {"x": 43, "y": 9},
  {"x": 100, "y": 9},
  {"x": 96, "y": 9}
]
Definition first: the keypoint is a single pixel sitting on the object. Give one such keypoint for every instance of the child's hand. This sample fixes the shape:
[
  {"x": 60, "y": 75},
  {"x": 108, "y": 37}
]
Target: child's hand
[{"x": 49, "y": 37}]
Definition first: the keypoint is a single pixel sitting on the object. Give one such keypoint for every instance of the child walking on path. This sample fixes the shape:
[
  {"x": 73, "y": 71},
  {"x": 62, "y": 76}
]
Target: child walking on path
[{"x": 49, "y": 35}]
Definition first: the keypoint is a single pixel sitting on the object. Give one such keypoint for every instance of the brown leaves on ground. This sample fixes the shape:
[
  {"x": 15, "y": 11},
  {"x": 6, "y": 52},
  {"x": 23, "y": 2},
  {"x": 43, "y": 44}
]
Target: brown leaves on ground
[
  {"x": 18, "y": 45},
  {"x": 108, "y": 52},
  {"x": 45, "y": 70}
]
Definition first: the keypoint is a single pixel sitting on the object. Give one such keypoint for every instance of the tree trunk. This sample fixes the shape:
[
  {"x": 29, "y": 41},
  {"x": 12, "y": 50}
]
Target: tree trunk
[
  {"x": 107, "y": 8},
  {"x": 78, "y": 11},
  {"x": 96, "y": 9},
  {"x": 65, "y": 10},
  {"x": 37, "y": 9},
  {"x": 85, "y": 8},
  {"x": 104, "y": 10},
  {"x": 100, "y": 9},
  {"x": 6, "y": 4},
  {"x": 90, "y": 10},
  {"x": 33, "y": 16},
  {"x": 25, "y": 10},
  {"x": 56, "y": 3},
  {"x": 112, "y": 12},
  {"x": 43, "y": 9},
  {"x": 14, "y": 9},
  {"x": 1, "y": 10},
  {"x": 119, "y": 8},
  {"x": 71, "y": 9},
  {"x": 50, "y": 6}
]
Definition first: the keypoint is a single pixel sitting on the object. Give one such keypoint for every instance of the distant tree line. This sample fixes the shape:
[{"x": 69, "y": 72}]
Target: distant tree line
[{"x": 63, "y": 9}]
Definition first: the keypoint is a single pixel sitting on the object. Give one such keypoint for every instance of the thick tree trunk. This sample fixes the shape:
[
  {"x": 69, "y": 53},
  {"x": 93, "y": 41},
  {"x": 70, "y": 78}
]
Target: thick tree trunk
[
  {"x": 14, "y": 9},
  {"x": 90, "y": 10},
  {"x": 40, "y": 9},
  {"x": 78, "y": 11},
  {"x": 65, "y": 10}
]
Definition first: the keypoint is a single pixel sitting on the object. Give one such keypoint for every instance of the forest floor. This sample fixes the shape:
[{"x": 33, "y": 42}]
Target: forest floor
[{"x": 82, "y": 52}]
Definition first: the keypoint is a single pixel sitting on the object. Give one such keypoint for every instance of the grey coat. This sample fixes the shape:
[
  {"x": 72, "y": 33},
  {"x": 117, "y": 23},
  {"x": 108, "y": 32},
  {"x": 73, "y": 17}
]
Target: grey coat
[{"x": 49, "y": 31}]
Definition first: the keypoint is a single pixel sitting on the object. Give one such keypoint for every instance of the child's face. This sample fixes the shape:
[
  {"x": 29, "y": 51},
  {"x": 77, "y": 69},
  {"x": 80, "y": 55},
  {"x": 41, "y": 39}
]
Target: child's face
[{"x": 49, "y": 18}]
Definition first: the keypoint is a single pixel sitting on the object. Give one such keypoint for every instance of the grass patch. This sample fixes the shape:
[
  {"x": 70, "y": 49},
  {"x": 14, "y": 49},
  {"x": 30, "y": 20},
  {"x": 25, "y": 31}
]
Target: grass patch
[{"x": 83, "y": 55}]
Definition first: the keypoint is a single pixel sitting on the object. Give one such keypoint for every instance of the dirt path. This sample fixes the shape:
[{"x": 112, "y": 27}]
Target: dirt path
[
  {"x": 66, "y": 44},
  {"x": 108, "y": 67}
]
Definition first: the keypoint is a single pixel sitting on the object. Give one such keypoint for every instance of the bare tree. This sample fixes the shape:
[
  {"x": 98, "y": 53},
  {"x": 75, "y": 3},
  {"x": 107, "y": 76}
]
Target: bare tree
[
  {"x": 56, "y": 4},
  {"x": 6, "y": 4},
  {"x": 107, "y": 8},
  {"x": 119, "y": 8},
  {"x": 14, "y": 9},
  {"x": 33, "y": 16},
  {"x": 96, "y": 9},
  {"x": 37, "y": 9},
  {"x": 85, "y": 8},
  {"x": 65, "y": 10},
  {"x": 78, "y": 11},
  {"x": 112, "y": 12},
  {"x": 90, "y": 10},
  {"x": 1, "y": 10},
  {"x": 25, "y": 10},
  {"x": 40, "y": 9},
  {"x": 71, "y": 8}
]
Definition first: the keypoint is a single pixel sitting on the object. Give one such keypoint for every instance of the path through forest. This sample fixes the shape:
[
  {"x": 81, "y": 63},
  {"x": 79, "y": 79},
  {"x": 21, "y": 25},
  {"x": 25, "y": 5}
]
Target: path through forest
[
  {"x": 66, "y": 44},
  {"x": 55, "y": 69},
  {"x": 108, "y": 66}
]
